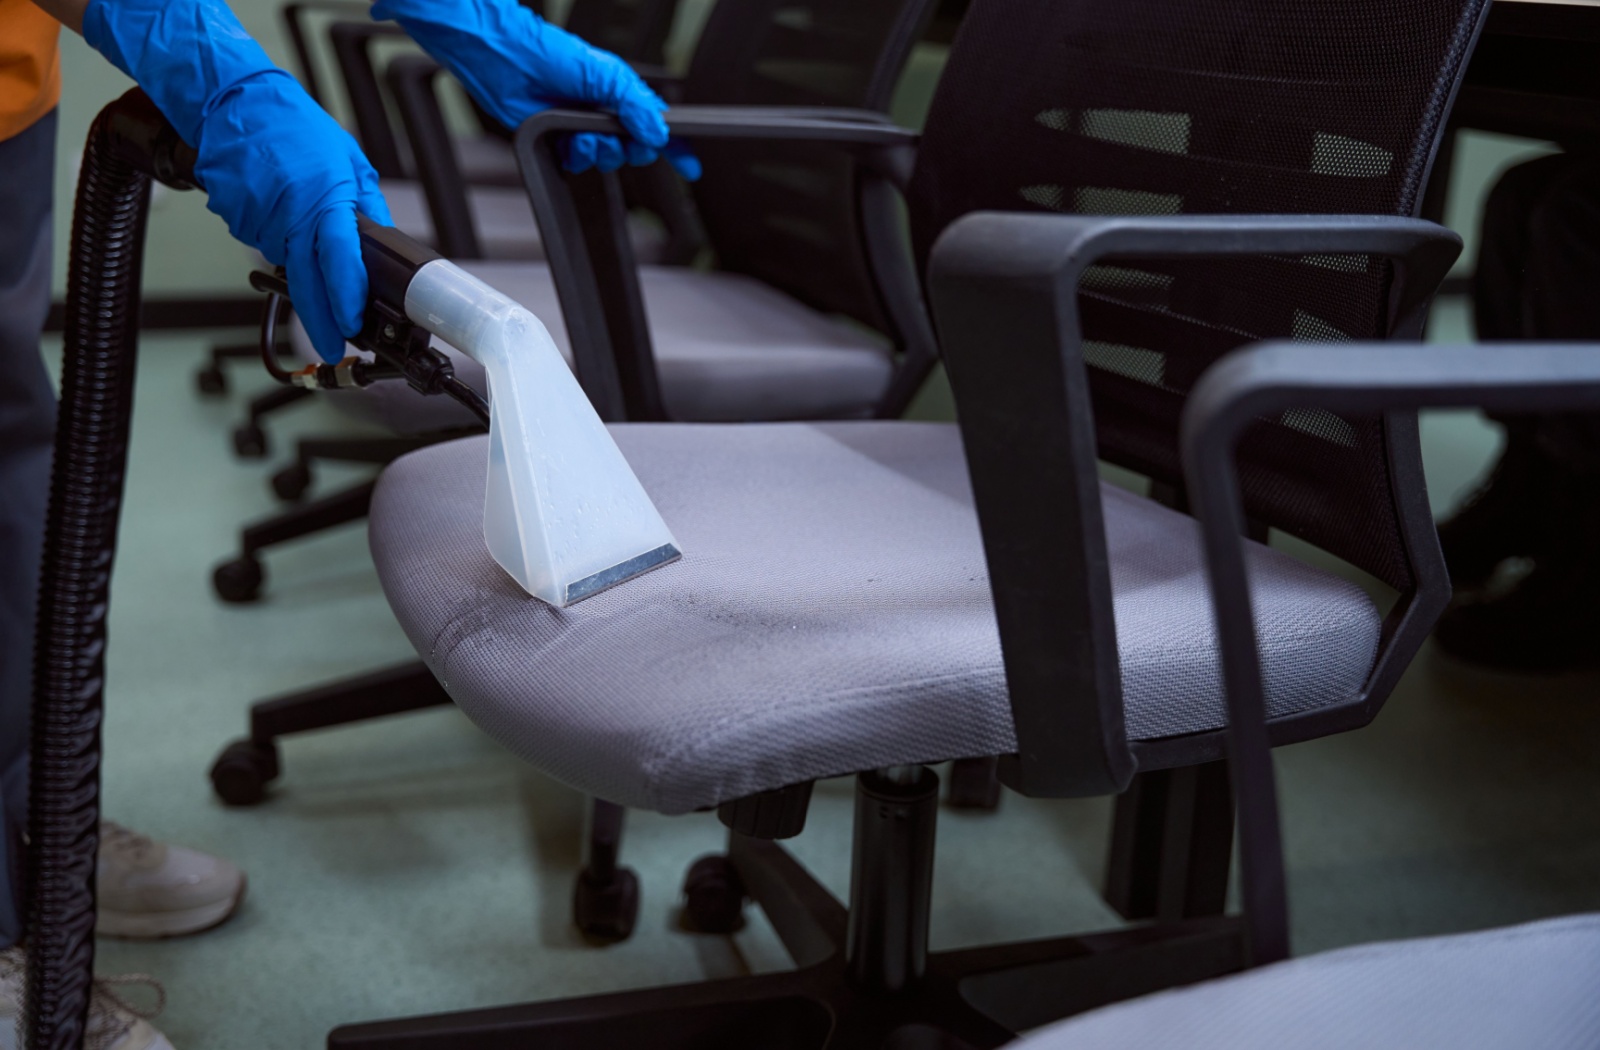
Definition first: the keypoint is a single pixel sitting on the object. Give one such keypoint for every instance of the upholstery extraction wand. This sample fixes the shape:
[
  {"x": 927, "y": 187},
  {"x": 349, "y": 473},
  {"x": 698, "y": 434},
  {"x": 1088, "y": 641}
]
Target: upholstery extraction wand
[{"x": 564, "y": 514}]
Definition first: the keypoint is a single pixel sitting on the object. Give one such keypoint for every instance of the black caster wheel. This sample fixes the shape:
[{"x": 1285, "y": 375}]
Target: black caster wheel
[
  {"x": 713, "y": 896},
  {"x": 238, "y": 580},
  {"x": 606, "y": 910},
  {"x": 211, "y": 382},
  {"x": 974, "y": 784},
  {"x": 242, "y": 772},
  {"x": 291, "y": 482},
  {"x": 249, "y": 441}
]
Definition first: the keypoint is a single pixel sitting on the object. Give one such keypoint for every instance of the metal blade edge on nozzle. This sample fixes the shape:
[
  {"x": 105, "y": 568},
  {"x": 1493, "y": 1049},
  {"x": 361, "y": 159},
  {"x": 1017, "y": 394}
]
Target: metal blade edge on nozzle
[{"x": 620, "y": 573}]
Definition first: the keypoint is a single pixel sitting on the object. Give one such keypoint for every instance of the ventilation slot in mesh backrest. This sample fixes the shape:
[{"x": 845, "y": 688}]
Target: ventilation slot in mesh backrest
[
  {"x": 1147, "y": 107},
  {"x": 787, "y": 214}
]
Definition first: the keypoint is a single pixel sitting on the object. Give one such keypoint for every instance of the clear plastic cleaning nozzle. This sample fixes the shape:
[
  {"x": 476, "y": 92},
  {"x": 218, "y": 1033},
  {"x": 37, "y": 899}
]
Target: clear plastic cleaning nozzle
[{"x": 564, "y": 513}]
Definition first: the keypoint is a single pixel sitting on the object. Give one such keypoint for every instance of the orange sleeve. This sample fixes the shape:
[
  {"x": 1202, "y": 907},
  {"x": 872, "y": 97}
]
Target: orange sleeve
[{"x": 30, "y": 65}]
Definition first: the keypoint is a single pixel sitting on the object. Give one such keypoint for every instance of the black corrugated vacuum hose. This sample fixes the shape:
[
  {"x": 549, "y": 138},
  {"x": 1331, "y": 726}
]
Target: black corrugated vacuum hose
[{"x": 129, "y": 143}]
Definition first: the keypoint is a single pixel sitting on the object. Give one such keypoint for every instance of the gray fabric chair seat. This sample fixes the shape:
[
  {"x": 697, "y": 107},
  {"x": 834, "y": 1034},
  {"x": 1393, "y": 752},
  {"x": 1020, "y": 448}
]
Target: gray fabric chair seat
[
  {"x": 1507, "y": 989},
  {"x": 503, "y": 219},
  {"x": 727, "y": 348},
  {"x": 831, "y": 613}
]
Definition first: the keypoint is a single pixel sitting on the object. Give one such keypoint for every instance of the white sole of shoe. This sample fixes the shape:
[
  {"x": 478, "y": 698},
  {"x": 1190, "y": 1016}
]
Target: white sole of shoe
[
  {"x": 155, "y": 926},
  {"x": 157, "y": 1042}
]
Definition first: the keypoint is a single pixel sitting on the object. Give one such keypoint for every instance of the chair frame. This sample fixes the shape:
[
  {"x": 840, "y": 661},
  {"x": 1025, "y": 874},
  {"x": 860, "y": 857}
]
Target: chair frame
[
  {"x": 864, "y": 977},
  {"x": 635, "y": 394},
  {"x": 1006, "y": 284},
  {"x": 412, "y": 81},
  {"x": 1004, "y": 289},
  {"x": 596, "y": 274},
  {"x": 294, "y": 15}
]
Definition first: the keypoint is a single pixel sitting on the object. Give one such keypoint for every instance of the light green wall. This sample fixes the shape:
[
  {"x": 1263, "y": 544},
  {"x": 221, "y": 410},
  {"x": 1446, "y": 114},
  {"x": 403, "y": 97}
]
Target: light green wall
[{"x": 189, "y": 249}]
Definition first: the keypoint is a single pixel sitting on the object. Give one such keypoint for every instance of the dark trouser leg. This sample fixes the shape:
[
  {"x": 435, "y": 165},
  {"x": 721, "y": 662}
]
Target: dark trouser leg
[
  {"x": 1539, "y": 250},
  {"x": 1559, "y": 300},
  {"x": 1499, "y": 284},
  {"x": 27, "y": 430},
  {"x": 1538, "y": 261},
  {"x": 1504, "y": 247}
]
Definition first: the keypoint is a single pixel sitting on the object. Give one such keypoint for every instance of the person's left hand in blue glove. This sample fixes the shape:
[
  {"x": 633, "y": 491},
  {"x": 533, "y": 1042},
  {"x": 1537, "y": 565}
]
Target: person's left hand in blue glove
[
  {"x": 515, "y": 64},
  {"x": 286, "y": 178}
]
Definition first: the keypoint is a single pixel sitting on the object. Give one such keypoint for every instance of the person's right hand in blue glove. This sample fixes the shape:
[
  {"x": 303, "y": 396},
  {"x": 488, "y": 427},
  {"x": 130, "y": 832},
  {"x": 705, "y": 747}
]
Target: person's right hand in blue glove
[
  {"x": 514, "y": 64},
  {"x": 286, "y": 178}
]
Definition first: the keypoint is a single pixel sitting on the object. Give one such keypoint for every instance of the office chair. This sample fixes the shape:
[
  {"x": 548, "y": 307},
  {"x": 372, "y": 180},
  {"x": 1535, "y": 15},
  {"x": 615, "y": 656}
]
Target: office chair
[
  {"x": 1529, "y": 985},
  {"x": 873, "y": 596},
  {"x": 1504, "y": 989},
  {"x": 728, "y": 326}
]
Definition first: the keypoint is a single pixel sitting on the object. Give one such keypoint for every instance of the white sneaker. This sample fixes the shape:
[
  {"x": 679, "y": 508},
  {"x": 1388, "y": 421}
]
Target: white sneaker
[
  {"x": 149, "y": 890},
  {"x": 113, "y": 1023}
]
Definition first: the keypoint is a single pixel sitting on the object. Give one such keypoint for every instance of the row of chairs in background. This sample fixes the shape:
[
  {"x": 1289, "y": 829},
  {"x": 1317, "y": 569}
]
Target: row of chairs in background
[
  {"x": 812, "y": 311},
  {"x": 1231, "y": 172},
  {"x": 1203, "y": 213}
]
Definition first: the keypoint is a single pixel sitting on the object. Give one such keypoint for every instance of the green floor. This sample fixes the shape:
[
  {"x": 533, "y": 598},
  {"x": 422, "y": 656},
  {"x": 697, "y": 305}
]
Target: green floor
[{"x": 412, "y": 865}]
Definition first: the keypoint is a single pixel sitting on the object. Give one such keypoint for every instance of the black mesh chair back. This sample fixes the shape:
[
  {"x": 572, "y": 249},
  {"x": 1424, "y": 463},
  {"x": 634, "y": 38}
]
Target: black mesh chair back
[
  {"x": 635, "y": 29},
  {"x": 1210, "y": 107},
  {"x": 786, "y": 214}
]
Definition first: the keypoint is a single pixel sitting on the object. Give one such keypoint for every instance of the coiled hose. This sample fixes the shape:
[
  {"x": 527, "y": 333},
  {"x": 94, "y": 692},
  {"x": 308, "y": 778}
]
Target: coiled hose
[{"x": 129, "y": 143}]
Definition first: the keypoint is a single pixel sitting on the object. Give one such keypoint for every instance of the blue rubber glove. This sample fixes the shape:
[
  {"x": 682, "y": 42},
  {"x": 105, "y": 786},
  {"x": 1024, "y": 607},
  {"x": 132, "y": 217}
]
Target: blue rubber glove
[
  {"x": 515, "y": 64},
  {"x": 283, "y": 175}
]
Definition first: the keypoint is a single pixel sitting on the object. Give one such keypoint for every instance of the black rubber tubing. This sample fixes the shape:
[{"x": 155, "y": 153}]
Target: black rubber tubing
[{"x": 128, "y": 144}]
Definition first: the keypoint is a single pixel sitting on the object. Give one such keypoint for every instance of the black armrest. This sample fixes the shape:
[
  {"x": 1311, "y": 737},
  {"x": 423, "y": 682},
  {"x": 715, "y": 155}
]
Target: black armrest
[
  {"x": 293, "y": 21},
  {"x": 1362, "y": 378},
  {"x": 880, "y": 143},
  {"x": 581, "y": 220},
  {"x": 1067, "y": 244},
  {"x": 352, "y": 48},
  {"x": 411, "y": 81},
  {"x": 1005, "y": 295},
  {"x": 835, "y": 126},
  {"x": 1368, "y": 379}
]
